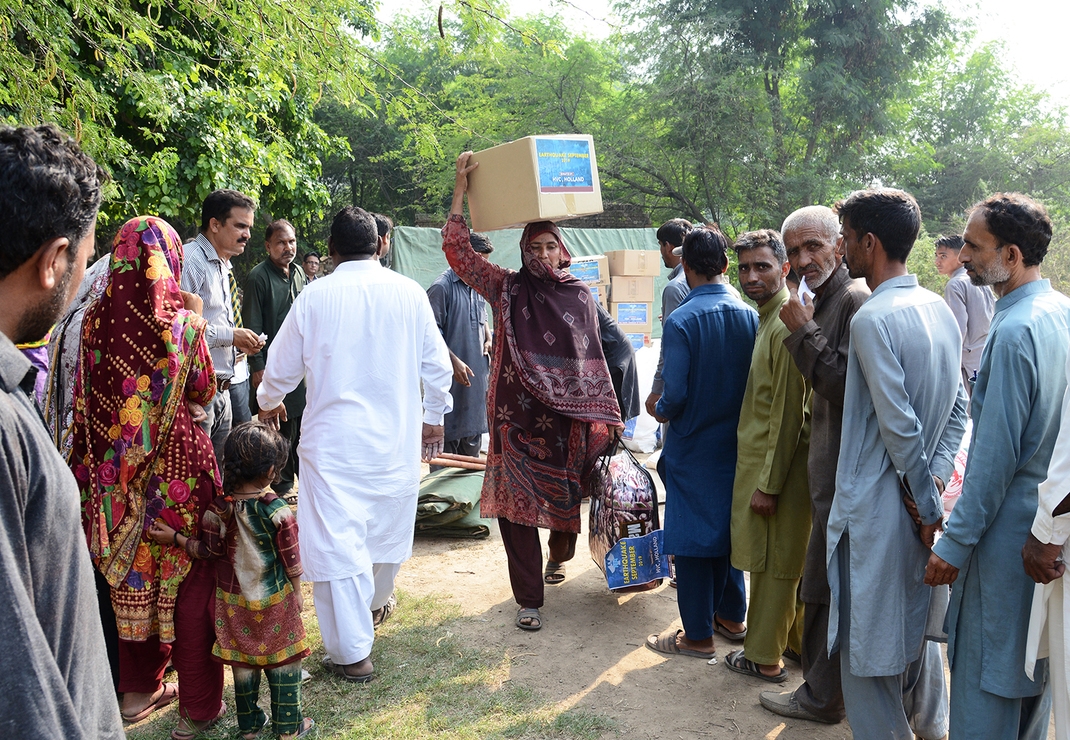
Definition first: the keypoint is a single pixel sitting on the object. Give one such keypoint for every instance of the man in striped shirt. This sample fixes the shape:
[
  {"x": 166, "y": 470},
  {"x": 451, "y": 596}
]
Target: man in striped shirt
[{"x": 226, "y": 219}]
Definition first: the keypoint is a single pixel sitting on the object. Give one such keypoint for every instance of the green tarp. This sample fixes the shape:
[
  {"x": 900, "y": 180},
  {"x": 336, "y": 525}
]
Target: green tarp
[
  {"x": 448, "y": 504},
  {"x": 417, "y": 251}
]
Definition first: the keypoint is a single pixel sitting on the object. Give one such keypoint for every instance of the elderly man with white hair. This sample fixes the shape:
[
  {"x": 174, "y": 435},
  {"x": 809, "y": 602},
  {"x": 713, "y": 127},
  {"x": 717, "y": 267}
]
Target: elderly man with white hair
[{"x": 820, "y": 331}]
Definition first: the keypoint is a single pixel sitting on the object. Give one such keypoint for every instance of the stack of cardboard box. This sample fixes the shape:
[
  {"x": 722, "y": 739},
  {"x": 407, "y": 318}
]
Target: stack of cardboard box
[
  {"x": 632, "y": 273},
  {"x": 595, "y": 272}
]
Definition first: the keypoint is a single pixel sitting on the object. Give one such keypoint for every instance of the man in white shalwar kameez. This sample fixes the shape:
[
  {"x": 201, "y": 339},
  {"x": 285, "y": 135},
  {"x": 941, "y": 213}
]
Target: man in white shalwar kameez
[
  {"x": 1044, "y": 557},
  {"x": 362, "y": 338}
]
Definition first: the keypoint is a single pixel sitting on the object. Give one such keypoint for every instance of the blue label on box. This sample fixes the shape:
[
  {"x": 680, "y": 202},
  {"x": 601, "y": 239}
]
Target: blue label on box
[
  {"x": 638, "y": 340},
  {"x": 585, "y": 270},
  {"x": 633, "y": 313},
  {"x": 637, "y": 560},
  {"x": 564, "y": 165}
]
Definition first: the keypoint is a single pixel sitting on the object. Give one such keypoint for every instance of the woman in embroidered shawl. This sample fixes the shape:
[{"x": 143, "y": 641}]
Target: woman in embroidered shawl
[
  {"x": 139, "y": 455},
  {"x": 551, "y": 407}
]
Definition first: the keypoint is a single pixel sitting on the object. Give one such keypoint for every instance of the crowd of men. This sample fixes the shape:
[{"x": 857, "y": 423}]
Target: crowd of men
[
  {"x": 808, "y": 444},
  {"x": 855, "y": 401}
]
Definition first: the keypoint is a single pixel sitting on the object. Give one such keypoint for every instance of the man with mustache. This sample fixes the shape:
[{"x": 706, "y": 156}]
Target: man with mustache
[
  {"x": 1015, "y": 410},
  {"x": 270, "y": 290},
  {"x": 770, "y": 498},
  {"x": 226, "y": 219},
  {"x": 55, "y": 681},
  {"x": 820, "y": 333}
]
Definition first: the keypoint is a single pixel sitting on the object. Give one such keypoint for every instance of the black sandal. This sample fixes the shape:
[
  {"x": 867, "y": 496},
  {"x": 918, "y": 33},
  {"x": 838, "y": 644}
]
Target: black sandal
[
  {"x": 532, "y": 615},
  {"x": 554, "y": 573},
  {"x": 740, "y": 663}
]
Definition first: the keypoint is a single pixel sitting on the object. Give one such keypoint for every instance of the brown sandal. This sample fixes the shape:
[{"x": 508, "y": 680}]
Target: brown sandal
[{"x": 168, "y": 693}]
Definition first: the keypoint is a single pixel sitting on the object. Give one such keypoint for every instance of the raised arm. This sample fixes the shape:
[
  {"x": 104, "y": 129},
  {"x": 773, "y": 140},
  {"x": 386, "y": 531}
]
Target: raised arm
[
  {"x": 474, "y": 269},
  {"x": 823, "y": 365}
]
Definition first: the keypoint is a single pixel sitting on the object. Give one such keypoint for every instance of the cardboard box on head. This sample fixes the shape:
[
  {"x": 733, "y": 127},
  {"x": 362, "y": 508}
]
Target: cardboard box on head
[{"x": 537, "y": 178}]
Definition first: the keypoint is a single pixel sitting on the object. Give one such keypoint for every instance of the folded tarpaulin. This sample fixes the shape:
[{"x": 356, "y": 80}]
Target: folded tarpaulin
[{"x": 449, "y": 505}]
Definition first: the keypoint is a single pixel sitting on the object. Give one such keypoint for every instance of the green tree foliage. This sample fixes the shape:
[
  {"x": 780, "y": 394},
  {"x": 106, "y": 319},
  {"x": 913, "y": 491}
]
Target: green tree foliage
[
  {"x": 973, "y": 130},
  {"x": 180, "y": 98},
  {"x": 476, "y": 84},
  {"x": 760, "y": 108}
]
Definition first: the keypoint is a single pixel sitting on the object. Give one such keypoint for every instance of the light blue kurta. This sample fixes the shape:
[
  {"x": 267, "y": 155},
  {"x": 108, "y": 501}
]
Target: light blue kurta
[
  {"x": 1015, "y": 408},
  {"x": 904, "y": 417}
]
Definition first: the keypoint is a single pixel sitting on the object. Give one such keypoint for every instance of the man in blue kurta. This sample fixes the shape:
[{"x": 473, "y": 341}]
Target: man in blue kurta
[
  {"x": 904, "y": 415},
  {"x": 708, "y": 342},
  {"x": 1015, "y": 409}
]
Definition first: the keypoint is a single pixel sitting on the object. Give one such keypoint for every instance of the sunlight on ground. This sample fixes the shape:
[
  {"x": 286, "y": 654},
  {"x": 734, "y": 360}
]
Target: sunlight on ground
[{"x": 640, "y": 659}]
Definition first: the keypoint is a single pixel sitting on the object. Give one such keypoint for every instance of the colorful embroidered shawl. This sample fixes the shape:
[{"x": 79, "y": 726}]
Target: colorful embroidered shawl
[{"x": 136, "y": 452}]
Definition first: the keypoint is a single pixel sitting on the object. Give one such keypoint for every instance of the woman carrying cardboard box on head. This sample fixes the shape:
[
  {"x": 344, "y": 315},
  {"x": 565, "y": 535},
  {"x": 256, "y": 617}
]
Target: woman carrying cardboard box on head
[{"x": 551, "y": 408}]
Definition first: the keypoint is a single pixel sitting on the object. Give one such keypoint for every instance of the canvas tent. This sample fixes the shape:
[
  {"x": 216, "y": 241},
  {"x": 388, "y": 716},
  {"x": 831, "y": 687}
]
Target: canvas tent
[{"x": 417, "y": 251}]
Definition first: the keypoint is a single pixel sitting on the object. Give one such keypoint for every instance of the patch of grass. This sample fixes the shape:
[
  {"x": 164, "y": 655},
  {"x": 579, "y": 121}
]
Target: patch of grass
[{"x": 429, "y": 684}]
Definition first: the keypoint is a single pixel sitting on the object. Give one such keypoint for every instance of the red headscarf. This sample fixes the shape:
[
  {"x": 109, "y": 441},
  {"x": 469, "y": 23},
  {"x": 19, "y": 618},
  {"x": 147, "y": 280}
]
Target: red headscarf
[
  {"x": 136, "y": 452},
  {"x": 551, "y": 327}
]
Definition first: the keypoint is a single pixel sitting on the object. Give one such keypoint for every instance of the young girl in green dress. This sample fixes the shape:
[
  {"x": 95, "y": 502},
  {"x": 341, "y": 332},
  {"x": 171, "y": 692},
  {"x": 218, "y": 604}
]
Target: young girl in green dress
[{"x": 258, "y": 605}]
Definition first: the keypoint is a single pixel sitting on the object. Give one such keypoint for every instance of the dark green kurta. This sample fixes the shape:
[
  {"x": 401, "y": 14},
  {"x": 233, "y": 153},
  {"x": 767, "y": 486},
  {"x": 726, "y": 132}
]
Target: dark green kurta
[{"x": 268, "y": 297}]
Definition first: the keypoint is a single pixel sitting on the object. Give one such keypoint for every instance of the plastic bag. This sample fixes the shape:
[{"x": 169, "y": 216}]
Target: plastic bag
[{"x": 624, "y": 509}]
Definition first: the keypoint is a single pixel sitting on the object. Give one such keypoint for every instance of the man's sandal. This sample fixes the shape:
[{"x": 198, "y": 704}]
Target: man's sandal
[
  {"x": 740, "y": 663},
  {"x": 722, "y": 630},
  {"x": 383, "y": 613},
  {"x": 534, "y": 619},
  {"x": 340, "y": 671},
  {"x": 667, "y": 644}
]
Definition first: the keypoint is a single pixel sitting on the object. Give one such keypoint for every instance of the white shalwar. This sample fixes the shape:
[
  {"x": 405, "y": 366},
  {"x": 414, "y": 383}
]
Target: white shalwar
[
  {"x": 1049, "y": 630},
  {"x": 362, "y": 338}
]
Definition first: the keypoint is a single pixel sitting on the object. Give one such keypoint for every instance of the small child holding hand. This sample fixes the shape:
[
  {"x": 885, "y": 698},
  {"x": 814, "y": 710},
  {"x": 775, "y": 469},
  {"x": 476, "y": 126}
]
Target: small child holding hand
[{"x": 258, "y": 624}]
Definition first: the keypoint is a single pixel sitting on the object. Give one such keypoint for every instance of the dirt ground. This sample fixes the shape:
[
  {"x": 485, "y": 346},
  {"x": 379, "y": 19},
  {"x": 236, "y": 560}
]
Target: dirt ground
[{"x": 590, "y": 651}]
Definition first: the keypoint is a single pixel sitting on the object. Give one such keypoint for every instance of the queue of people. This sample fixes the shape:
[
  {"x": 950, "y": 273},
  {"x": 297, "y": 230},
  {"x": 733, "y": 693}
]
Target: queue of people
[{"x": 807, "y": 444}]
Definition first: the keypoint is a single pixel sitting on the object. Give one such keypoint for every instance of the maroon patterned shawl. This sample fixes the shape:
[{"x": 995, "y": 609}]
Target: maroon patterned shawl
[{"x": 551, "y": 328}]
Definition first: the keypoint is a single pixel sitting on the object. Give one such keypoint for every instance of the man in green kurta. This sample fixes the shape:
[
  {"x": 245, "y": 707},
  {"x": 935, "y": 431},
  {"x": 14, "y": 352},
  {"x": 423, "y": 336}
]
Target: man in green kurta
[
  {"x": 270, "y": 290},
  {"x": 770, "y": 499}
]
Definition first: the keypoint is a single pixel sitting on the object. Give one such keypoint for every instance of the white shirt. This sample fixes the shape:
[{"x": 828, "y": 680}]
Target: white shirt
[
  {"x": 1052, "y": 530},
  {"x": 363, "y": 338}
]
